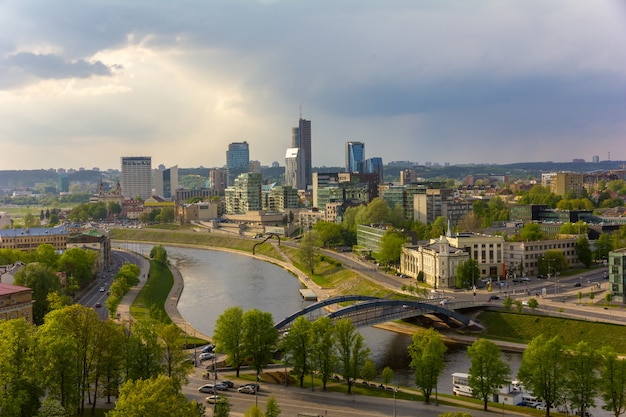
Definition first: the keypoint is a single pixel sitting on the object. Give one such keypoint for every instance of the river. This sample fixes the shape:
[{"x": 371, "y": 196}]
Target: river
[{"x": 216, "y": 280}]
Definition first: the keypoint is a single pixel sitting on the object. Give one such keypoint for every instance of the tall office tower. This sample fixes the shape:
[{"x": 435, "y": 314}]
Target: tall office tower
[
  {"x": 375, "y": 166},
  {"x": 301, "y": 138},
  {"x": 254, "y": 167},
  {"x": 237, "y": 160},
  {"x": 136, "y": 177},
  {"x": 355, "y": 157},
  {"x": 166, "y": 181},
  {"x": 294, "y": 169}
]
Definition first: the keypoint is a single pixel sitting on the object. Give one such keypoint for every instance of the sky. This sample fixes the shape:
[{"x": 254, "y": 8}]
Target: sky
[{"x": 84, "y": 83}]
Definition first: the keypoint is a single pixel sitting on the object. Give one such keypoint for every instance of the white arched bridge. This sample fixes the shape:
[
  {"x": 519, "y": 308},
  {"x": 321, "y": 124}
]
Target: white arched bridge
[{"x": 367, "y": 311}]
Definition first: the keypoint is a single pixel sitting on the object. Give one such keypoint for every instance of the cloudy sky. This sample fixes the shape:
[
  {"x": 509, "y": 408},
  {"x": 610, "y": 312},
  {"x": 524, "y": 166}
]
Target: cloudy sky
[{"x": 83, "y": 83}]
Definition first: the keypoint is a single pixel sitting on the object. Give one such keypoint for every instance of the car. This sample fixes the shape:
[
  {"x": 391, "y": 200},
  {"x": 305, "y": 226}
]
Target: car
[
  {"x": 253, "y": 385},
  {"x": 221, "y": 387},
  {"x": 102, "y": 289},
  {"x": 208, "y": 348},
  {"x": 541, "y": 276},
  {"x": 228, "y": 383},
  {"x": 98, "y": 305},
  {"x": 207, "y": 389},
  {"x": 494, "y": 297},
  {"x": 206, "y": 356},
  {"x": 525, "y": 303},
  {"x": 246, "y": 389},
  {"x": 212, "y": 399},
  {"x": 526, "y": 279},
  {"x": 578, "y": 284}
]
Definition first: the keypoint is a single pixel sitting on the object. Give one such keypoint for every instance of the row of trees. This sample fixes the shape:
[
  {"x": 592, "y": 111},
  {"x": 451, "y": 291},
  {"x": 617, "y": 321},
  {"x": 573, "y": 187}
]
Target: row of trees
[
  {"x": 75, "y": 358},
  {"x": 558, "y": 375}
]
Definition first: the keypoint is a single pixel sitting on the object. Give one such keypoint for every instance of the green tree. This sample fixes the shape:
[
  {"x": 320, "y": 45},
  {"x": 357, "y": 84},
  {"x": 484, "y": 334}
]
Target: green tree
[
  {"x": 272, "y": 408},
  {"x": 298, "y": 348},
  {"x": 51, "y": 407},
  {"x": 308, "y": 251},
  {"x": 47, "y": 255},
  {"x": 259, "y": 338},
  {"x": 604, "y": 245},
  {"x": 174, "y": 363},
  {"x": 253, "y": 411},
  {"x": 154, "y": 397},
  {"x": 612, "y": 384},
  {"x": 368, "y": 370},
  {"x": 542, "y": 370},
  {"x": 228, "y": 336},
  {"x": 351, "y": 350},
  {"x": 487, "y": 371},
  {"x": 21, "y": 385},
  {"x": 79, "y": 265},
  {"x": 582, "y": 378},
  {"x": 43, "y": 281},
  {"x": 531, "y": 232},
  {"x": 378, "y": 211},
  {"x": 323, "y": 353},
  {"x": 144, "y": 354},
  {"x": 533, "y": 304},
  {"x": 427, "y": 352},
  {"x": 114, "y": 208},
  {"x": 391, "y": 247},
  {"x": 222, "y": 407},
  {"x": 467, "y": 274},
  {"x": 329, "y": 233},
  {"x": 387, "y": 375},
  {"x": 507, "y": 303},
  {"x": 583, "y": 251},
  {"x": 159, "y": 254}
]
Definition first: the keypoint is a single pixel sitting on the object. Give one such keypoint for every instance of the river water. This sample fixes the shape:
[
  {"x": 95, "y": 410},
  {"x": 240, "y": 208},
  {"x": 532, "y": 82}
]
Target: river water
[{"x": 217, "y": 280}]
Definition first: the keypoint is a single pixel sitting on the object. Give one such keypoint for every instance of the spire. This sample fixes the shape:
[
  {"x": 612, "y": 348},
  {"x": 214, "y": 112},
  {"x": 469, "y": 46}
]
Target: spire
[{"x": 449, "y": 232}]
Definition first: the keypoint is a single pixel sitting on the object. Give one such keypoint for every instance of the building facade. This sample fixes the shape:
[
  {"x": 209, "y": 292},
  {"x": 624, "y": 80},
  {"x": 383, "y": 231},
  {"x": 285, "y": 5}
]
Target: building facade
[
  {"x": 16, "y": 302},
  {"x": 136, "y": 177},
  {"x": 523, "y": 258},
  {"x": 166, "y": 182},
  {"x": 244, "y": 195},
  {"x": 295, "y": 171},
  {"x": 30, "y": 239},
  {"x": 427, "y": 206},
  {"x": 375, "y": 166},
  {"x": 237, "y": 161},
  {"x": 217, "y": 180},
  {"x": 301, "y": 138},
  {"x": 617, "y": 275},
  {"x": 355, "y": 157}
]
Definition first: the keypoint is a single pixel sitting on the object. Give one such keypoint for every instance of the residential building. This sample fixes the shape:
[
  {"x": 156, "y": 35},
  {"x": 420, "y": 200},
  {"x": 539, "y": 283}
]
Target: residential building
[
  {"x": 427, "y": 206},
  {"x": 454, "y": 211},
  {"x": 301, "y": 138},
  {"x": 343, "y": 187},
  {"x": 16, "y": 302},
  {"x": 617, "y": 275},
  {"x": 166, "y": 182},
  {"x": 355, "y": 157},
  {"x": 254, "y": 167},
  {"x": 244, "y": 195},
  {"x": 217, "y": 180},
  {"x": 295, "y": 171},
  {"x": 31, "y": 238},
  {"x": 436, "y": 261},
  {"x": 136, "y": 177},
  {"x": 237, "y": 161},
  {"x": 566, "y": 182},
  {"x": 279, "y": 199},
  {"x": 408, "y": 176}
]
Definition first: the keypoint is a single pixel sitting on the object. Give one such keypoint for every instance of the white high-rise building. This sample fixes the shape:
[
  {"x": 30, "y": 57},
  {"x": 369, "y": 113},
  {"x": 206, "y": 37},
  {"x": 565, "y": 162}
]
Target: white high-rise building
[
  {"x": 295, "y": 171},
  {"x": 166, "y": 181},
  {"x": 136, "y": 177}
]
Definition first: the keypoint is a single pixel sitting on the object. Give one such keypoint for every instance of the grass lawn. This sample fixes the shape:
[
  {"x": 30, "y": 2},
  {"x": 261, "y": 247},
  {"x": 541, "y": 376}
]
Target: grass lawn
[{"x": 150, "y": 302}]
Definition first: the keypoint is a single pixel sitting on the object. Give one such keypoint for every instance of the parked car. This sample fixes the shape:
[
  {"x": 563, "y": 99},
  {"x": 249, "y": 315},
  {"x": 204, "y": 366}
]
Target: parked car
[
  {"x": 253, "y": 385},
  {"x": 578, "y": 284},
  {"x": 221, "y": 387},
  {"x": 229, "y": 384},
  {"x": 208, "y": 348},
  {"x": 207, "y": 389},
  {"x": 212, "y": 399},
  {"x": 494, "y": 297},
  {"x": 246, "y": 389},
  {"x": 206, "y": 356},
  {"x": 541, "y": 276}
]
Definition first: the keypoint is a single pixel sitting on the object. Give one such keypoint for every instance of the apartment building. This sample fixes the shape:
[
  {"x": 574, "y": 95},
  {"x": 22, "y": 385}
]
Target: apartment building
[
  {"x": 528, "y": 254},
  {"x": 617, "y": 274},
  {"x": 16, "y": 302},
  {"x": 31, "y": 238}
]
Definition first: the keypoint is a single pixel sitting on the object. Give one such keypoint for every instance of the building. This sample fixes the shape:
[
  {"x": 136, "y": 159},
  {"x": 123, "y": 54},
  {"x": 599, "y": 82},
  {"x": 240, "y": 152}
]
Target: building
[
  {"x": 184, "y": 194},
  {"x": 375, "y": 166},
  {"x": 435, "y": 263},
  {"x": 218, "y": 180},
  {"x": 63, "y": 183},
  {"x": 203, "y": 211},
  {"x": 5, "y": 220},
  {"x": 279, "y": 199},
  {"x": 244, "y": 195},
  {"x": 408, "y": 176},
  {"x": 427, "y": 206},
  {"x": 523, "y": 258},
  {"x": 295, "y": 171},
  {"x": 454, "y": 211},
  {"x": 617, "y": 274},
  {"x": 301, "y": 138},
  {"x": 166, "y": 182},
  {"x": 136, "y": 177},
  {"x": 30, "y": 239},
  {"x": 486, "y": 250},
  {"x": 16, "y": 302},
  {"x": 355, "y": 157},
  {"x": 95, "y": 241},
  {"x": 565, "y": 182},
  {"x": 254, "y": 167},
  {"x": 237, "y": 161}
]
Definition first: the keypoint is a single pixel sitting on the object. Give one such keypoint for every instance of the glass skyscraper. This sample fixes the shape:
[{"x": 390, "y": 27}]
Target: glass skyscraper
[
  {"x": 237, "y": 160},
  {"x": 301, "y": 138},
  {"x": 355, "y": 157}
]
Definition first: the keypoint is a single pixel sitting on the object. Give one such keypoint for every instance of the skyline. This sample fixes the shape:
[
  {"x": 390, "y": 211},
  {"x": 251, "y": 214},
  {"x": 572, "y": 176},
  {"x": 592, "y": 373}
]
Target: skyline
[{"x": 447, "y": 81}]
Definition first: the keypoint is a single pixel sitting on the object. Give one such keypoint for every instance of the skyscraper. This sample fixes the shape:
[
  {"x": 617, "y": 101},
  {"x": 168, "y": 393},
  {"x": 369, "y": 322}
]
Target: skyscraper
[
  {"x": 355, "y": 157},
  {"x": 375, "y": 166},
  {"x": 166, "y": 181},
  {"x": 237, "y": 160},
  {"x": 294, "y": 169},
  {"x": 136, "y": 177},
  {"x": 301, "y": 138}
]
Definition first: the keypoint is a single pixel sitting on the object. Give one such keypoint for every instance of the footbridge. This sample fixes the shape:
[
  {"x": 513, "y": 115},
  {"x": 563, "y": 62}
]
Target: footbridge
[{"x": 371, "y": 310}]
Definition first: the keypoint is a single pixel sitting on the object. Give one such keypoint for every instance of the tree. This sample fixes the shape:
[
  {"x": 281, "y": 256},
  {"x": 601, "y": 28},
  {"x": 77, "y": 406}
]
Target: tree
[
  {"x": 487, "y": 371},
  {"x": 253, "y": 411},
  {"x": 329, "y": 233},
  {"x": 427, "y": 352},
  {"x": 583, "y": 251},
  {"x": 467, "y": 273},
  {"x": 531, "y": 232},
  {"x": 298, "y": 348},
  {"x": 222, "y": 407},
  {"x": 351, "y": 350},
  {"x": 259, "y": 338},
  {"x": 387, "y": 375},
  {"x": 114, "y": 208},
  {"x": 612, "y": 384},
  {"x": 47, "y": 255},
  {"x": 323, "y": 353},
  {"x": 43, "y": 281},
  {"x": 368, "y": 371},
  {"x": 159, "y": 254},
  {"x": 391, "y": 247},
  {"x": 378, "y": 211},
  {"x": 271, "y": 407},
  {"x": 174, "y": 364},
  {"x": 507, "y": 303},
  {"x": 228, "y": 336},
  {"x": 154, "y": 397},
  {"x": 308, "y": 251},
  {"x": 582, "y": 377},
  {"x": 79, "y": 265},
  {"x": 533, "y": 303},
  {"x": 604, "y": 244},
  {"x": 542, "y": 370},
  {"x": 167, "y": 215}
]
